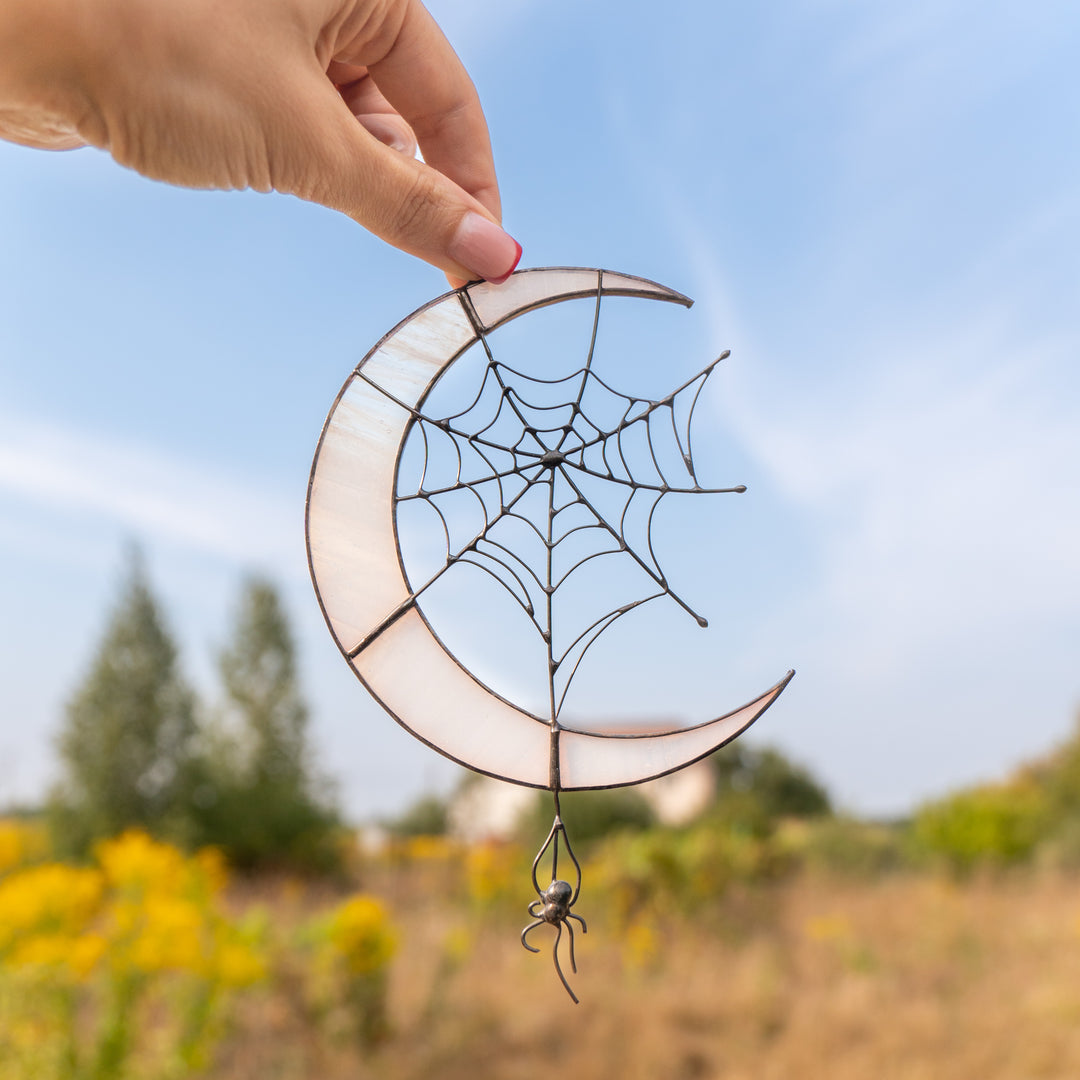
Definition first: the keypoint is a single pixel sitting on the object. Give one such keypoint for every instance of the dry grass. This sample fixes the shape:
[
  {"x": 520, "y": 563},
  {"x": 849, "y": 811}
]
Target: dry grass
[{"x": 900, "y": 979}]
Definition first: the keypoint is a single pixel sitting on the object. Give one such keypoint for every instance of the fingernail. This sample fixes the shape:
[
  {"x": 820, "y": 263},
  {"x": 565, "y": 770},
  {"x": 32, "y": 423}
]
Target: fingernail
[{"x": 482, "y": 247}]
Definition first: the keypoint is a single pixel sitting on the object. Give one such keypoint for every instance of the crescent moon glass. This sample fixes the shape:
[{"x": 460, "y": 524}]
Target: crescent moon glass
[
  {"x": 531, "y": 471},
  {"x": 372, "y": 609}
]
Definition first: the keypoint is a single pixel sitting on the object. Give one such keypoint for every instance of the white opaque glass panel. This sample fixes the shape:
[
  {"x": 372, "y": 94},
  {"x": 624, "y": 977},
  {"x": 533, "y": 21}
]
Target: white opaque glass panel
[
  {"x": 358, "y": 576},
  {"x": 588, "y": 761},
  {"x": 495, "y": 304},
  {"x": 627, "y": 285},
  {"x": 350, "y": 514},
  {"x": 411, "y": 674},
  {"x": 407, "y": 361},
  {"x": 350, "y": 511}
]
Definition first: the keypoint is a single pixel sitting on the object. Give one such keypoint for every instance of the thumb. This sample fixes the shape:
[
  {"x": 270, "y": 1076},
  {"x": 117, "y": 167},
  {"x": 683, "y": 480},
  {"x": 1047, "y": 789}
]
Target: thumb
[{"x": 323, "y": 154}]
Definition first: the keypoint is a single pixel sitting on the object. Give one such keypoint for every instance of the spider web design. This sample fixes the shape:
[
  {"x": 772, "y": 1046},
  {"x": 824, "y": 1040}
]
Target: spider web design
[{"x": 536, "y": 479}]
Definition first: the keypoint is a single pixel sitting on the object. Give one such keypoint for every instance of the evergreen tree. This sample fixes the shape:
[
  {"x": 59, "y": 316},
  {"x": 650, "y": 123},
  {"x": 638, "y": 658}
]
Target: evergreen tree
[
  {"x": 258, "y": 797},
  {"x": 126, "y": 743},
  {"x": 259, "y": 676}
]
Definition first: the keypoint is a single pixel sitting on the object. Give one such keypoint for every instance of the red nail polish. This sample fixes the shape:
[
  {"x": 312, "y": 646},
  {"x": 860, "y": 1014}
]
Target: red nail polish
[{"x": 513, "y": 267}]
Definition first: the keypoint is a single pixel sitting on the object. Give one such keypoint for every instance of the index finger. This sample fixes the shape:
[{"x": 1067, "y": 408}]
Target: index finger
[{"x": 422, "y": 77}]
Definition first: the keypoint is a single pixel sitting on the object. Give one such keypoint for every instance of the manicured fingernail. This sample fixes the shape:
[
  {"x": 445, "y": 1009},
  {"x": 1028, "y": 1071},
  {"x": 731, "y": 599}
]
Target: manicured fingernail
[{"x": 482, "y": 247}]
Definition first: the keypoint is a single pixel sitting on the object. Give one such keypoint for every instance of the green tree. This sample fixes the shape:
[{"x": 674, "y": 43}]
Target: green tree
[
  {"x": 758, "y": 786},
  {"x": 126, "y": 744},
  {"x": 258, "y": 797},
  {"x": 259, "y": 676}
]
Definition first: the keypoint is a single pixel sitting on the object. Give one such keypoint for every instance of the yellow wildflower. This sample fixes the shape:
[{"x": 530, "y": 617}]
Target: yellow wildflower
[
  {"x": 77, "y": 955},
  {"x": 360, "y": 932},
  {"x": 85, "y": 954},
  {"x": 47, "y": 899},
  {"x": 430, "y": 848},
  {"x": 828, "y": 928},
  {"x": 40, "y": 950},
  {"x": 640, "y": 946},
  {"x": 133, "y": 862},
  {"x": 164, "y": 933},
  {"x": 236, "y": 964},
  {"x": 491, "y": 871},
  {"x": 210, "y": 871},
  {"x": 457, "y": 945}
]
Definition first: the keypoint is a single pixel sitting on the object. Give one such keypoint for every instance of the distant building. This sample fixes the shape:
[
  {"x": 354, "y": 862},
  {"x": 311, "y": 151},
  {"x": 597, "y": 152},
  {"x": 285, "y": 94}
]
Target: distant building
[
  {"x": 488, "y": 809},
  {"x": 681, "y": 796}
]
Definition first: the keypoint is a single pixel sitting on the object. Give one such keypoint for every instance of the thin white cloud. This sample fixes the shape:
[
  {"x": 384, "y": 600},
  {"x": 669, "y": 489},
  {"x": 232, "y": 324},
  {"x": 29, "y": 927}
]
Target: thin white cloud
[
  {"x": 926, "y": 452},
  {"x": 146, "y": 492},
  {"x": 939, "y": 482},
  {"x": 937, "y": 487},
  {"x": 935, "y": 470}
]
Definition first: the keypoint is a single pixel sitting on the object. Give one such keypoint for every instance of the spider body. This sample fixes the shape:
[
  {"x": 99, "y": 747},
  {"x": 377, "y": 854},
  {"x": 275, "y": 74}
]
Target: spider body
[
  {"x": 556, "y": 899},
  {"x": 553, "y": 906}
]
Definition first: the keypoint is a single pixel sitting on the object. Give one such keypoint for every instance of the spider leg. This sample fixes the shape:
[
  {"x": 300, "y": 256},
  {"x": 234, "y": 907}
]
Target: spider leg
[
  {"x": 571, "y": 915},
  {"x": 534, "y": 914},
  {"x": 577, "y": 868},
  {"x": 558, "y": 967},
  {"x": 531, "y": 926},
  {"x": 570, "y": 931},
  {"x": 540, "y": 854}
]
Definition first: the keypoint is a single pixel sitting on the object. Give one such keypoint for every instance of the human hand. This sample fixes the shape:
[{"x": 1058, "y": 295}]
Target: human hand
[{"x": 323, "y": 99}]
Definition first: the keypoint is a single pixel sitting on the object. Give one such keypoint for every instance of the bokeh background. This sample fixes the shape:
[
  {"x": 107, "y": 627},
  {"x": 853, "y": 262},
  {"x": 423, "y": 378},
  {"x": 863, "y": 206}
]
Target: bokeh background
[{"x": 877, "y": 209}]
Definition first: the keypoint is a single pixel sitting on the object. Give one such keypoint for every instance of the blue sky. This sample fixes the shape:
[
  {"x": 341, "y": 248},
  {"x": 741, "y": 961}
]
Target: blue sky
[{"x": 876, "y": 209}]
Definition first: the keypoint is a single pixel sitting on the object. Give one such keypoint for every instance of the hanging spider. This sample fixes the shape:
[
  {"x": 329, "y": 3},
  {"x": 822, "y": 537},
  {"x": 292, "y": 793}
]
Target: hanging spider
[{"x": 554, "y": 903}]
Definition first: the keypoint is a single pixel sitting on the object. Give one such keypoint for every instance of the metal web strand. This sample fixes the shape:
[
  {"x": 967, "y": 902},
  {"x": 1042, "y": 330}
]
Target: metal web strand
[
  {"x": 555, "y": 448},
  {"x": 525, "y": 471}
]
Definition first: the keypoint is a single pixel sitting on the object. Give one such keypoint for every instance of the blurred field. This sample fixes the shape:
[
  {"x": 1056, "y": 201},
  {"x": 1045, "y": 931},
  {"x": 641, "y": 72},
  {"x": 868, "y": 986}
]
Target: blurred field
[
  {"x": 412, "y": 968},
  {"x": 768, "y": 936},
  {"x": 908, "y": 978}
]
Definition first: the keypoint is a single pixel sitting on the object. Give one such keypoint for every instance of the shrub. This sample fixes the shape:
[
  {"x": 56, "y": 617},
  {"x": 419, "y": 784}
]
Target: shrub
[
  {"x": 756, "y": 787},
  {"x": 426, "y": 817},
  {"x": 661, "y": 871},
  {"x": 844, "y": 845},
  {"x": 992, "y": 825}
]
